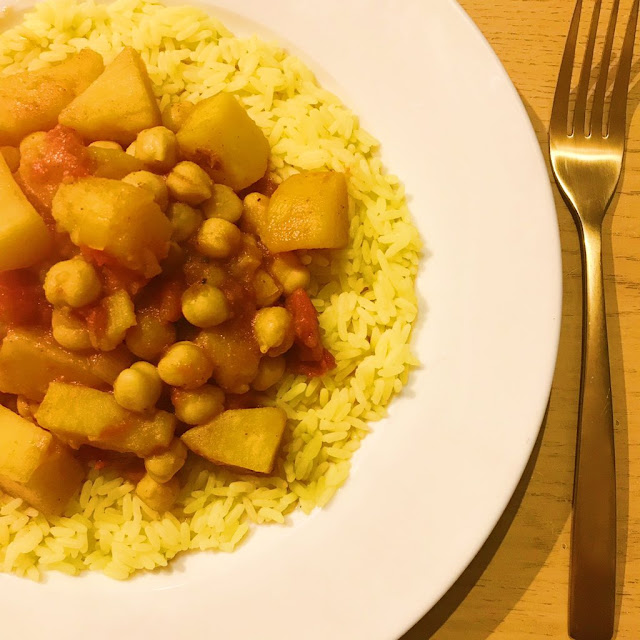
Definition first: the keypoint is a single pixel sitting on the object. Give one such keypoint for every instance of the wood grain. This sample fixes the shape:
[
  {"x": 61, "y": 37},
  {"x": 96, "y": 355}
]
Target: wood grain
[{"x": 516, "y": 588}]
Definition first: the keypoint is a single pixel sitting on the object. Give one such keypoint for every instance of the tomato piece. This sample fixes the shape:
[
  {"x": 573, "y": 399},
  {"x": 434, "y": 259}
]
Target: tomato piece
[
  {"x": 48, "y": 160},
  {"x": 163, "y": 298},
  {"x": 22, "y": 300},
  {"x": 305, "y": 318},
  {"x": 308, "y": 355},
  {"x": 314, "y": 369}
]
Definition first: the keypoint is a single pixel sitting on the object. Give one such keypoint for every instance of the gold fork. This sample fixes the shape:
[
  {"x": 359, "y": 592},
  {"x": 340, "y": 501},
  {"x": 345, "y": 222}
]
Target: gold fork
[{"x": 586, "y": 154}]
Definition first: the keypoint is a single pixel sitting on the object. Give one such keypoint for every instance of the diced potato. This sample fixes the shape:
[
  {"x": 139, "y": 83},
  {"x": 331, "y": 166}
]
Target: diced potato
[
  {"x": 219, "y": 135},
  {"x": 52, "y": 484},
  {"x": 125, "y": 221},
  {"x": 245, "y": 438},
  {"x": 77, "y": 72},
  {"x": 24, "y": 239},
  {"x": 308, "y": 211},
  {"x": 30, "y": 360},
  {"x": 32, "y": 100},
  {"x": 234, "y": 353},
  {"x": 23, "y": 446},
  {"x": 118, "y": 105},
  {"x": 80, "y": 415},
  {"x": 113, "y": 163},
  {"x": 118, "y": 316}
]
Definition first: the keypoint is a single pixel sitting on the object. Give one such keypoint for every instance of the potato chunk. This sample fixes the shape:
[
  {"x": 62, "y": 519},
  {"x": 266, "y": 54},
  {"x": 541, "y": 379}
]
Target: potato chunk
[
  {"x": 32, "y": 100},
  {"x": 245, "y": 438},
  {"x": 30, "y": 360},
  {"x": 52, "y": 484},
  {"x": 115, "y": 217},
  {"x": 80, "y": 415},
  {"x": 116, "y": 106},
  {"x": 219, "y": 135},
  {"x": 115, "y": 315},
  {"x": 24, "y": 239},
  {"x": 23, "y": 446},
  {"x": 308, "y": 211}
]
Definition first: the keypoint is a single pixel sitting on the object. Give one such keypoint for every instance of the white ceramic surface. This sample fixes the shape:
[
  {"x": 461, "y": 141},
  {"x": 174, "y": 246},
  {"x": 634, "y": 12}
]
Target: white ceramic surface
[{"x": 430, "y": 483}]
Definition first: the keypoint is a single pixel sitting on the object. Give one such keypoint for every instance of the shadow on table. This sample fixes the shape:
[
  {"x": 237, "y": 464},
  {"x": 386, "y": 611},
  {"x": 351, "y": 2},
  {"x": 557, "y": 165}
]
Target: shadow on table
[{"x": 518, "y": 547}]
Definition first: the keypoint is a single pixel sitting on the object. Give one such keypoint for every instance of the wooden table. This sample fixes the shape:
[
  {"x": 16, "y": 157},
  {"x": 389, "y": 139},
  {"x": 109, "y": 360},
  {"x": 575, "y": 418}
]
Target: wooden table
[{"x": 516, "y": 588}]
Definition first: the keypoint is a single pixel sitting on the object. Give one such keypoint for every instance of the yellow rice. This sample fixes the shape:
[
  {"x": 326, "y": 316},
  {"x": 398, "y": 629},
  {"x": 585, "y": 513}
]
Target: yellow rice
[{"x": 365, "y": 295}]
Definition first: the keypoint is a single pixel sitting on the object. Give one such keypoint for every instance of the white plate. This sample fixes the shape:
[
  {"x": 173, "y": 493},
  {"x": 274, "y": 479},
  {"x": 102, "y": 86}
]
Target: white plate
[{"x": 430, "y": 483}]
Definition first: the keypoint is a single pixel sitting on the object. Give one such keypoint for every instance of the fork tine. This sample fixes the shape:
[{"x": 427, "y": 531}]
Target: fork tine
[
  {"x": 618, "y": 111},
  {"x": 603, "y": 77},
  {"x": 560, "y": 110},
  {"x": 579, "y": 120}
]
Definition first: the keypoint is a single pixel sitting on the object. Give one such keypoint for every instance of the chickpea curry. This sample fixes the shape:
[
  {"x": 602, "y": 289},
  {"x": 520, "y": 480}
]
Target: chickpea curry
[{"x": 151, "y": 281}]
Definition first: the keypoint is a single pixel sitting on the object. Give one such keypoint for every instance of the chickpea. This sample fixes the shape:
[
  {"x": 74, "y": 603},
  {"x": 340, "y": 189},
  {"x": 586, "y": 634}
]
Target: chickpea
[
  {"x": 197, "y": 406},
  {"x": 273, "y": 330},
  {"x": 157, "y": 148},
  {"x": 254, "y": 212},
  {"x": 11, "y": 156},
  {"x": 152, "y": 183},
  {"x": 185, "y": 221},
  {"x": 287, "y": 269},
  {"x": 150, "y": 337},
  {"x": 266, "y": 289},
  {"x": 131, "y": 149},
  {"x": 147, "y": 369},
  {"x": 185, "y": 365},
  {"x": 160, "y": 497},
  {"x": 138, "y": 388},
  {"x": 163, "y": 466},
  {"x": 190, "y": 183},
  {"x": 106, "y": 144},
  {"x": 72, "y": 282},
  {"x": 175, "y": 114},
  {"x": 69, "y": 331},
  {"x": 204, "y": 305},
  {"x": 218, "y": 238},
  {"x": 270, "y": 371},
  {"x": 224, "y": 203}
]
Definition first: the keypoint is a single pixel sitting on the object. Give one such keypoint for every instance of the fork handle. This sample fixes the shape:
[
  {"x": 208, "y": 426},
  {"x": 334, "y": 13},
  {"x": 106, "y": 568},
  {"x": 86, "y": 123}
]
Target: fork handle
[{"x": 593, "y": 535}]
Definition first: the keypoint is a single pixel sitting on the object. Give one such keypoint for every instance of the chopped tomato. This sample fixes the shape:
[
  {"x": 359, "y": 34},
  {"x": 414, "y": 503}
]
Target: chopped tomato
[
  {"x": 163, "y": 298},
  {"x": 305, "y": 319},
  {"x": 308, "y": 355},
  {"x": 22, "y": 300},
  {"x": 313, "y": 369},
  {"x": 49, "y": 160}
]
